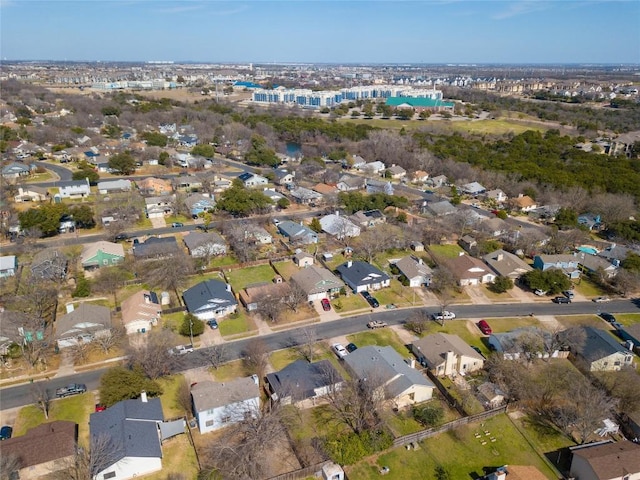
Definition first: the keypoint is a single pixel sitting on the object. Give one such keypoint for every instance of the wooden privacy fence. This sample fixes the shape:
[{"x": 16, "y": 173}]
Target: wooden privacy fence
[
  {"x": 302, "y": 473},
  {"x": 418, "y": 436}
]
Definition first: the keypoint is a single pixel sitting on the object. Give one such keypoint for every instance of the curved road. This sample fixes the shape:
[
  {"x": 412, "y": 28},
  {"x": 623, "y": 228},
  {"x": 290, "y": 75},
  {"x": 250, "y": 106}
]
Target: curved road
[{"x": 20, "y": 395}]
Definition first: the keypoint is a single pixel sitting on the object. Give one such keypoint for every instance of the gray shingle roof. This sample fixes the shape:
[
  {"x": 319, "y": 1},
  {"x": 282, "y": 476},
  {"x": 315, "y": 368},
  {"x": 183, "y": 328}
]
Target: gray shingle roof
[
  {"x": 86, "y": 319},
  {"x": 208, "y": 395},
  {"x": 208, "y": 295},
  {"x": 300, "y": 378},
  {"x": 361, "y": 273},
  {"x": 156, "y": 247},
  {"x": 597, "y": 344}
]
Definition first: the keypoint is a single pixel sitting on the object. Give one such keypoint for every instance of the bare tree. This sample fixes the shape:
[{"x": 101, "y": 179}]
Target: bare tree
[
  {"x": 41, "y": 397},
  {"x": 218, "y": 355},
  {"x": 111, "y": 279},
  {"x": 168, "y": 274},
  {"x": 111, "y": 338},
  {"x": 305, "y": 339},
  {"x": 80, "y": 351},
  {"x": 295, "y": 297},
  {"x": 151, "y": 356},
  {"x": 269, "y": 308},
  {"x": 256, "y": 357},
  {"x": 86, "y": 463},
  {"x": 183, "y": 396},
  {"x": 10, "y": 464},
  {"x": 626, "y": 282},
  {"x": 443, "y": 284},
  {"x": 418, "y": 322}
]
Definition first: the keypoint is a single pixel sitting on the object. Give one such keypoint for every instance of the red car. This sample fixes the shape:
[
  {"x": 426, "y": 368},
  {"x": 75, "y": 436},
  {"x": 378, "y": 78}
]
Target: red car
[
  {"x": 100, "y": 407},
  {"x": 484, "y": 327},
  {"x": 326, "y": 305}
]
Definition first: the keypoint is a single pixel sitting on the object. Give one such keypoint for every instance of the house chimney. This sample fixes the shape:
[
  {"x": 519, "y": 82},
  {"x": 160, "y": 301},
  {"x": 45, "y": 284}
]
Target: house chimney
[
  {"x": 337, "y": 213},
  {"x": 69, "y": 307},
  {"x": 143, "y": 397},
  {"x": 349, "y": 264},
  {"x": 255, "y": 379},
  {"x": 460, "y": 254},
  {"x": 500, "y": 257}
]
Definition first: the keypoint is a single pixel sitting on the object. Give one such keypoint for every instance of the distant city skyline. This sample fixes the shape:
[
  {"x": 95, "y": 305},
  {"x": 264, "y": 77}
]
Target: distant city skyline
[{"x": 321, "y": 31}]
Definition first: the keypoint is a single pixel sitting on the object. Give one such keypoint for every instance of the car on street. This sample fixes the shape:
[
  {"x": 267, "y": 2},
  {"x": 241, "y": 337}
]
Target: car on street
[
  {"x": 213, "y": 324},
  {"x": 484, "y": 327},
  {"x": 121, "y": 236},
  {"x": 341, "y": 352},
  {"x": 177, "y": 225},
  {"x": 444, "y": 315},
  {"x": 371, "y": 300},
  {"x": 326, "y": 304},
  {"x": 540, "y": 293},
  {"x": 376, "y": 324},
  {"x": 601, "y": 299},
  {"x": 6, "y": 432},
  {"x": 607, "y": 317},
  {"x": 71, "y": 389},
  {"x": 351, "y": 347},
  {"x": 181, "y": 350},
  {"x": 561, "y": 300}
]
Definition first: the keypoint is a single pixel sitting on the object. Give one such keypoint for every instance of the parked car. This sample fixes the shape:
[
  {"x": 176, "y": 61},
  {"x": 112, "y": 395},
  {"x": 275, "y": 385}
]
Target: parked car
[
  {"x": 444, "y": 315},
  {"x": 181, "y": 350},
  {"x": 568, "y": 294},
  {"x": 607, "y": 317},
  {"x": 6, "y": 432},
  {"x": 177, "y": 225},
  {"x": 100, "y": 407},
  {"x": 213, "y": 324},
  {"x": 121, "y": 236},
  {"x": 601, "y": 299},
  {"x": 376, "y": 324},
  {"x": 71, "y": 389},
  {"x": 326, "y": 304},
  {"x": 561, "y": 300},
  {"x": 351, "y": 347},
  {"x": 341, "y": 352},
  {"x": 477, "y": 350},
  {"x": 484, "y": 327},
  {"x": 540, "y": 293},
  {"x": 371, "y": 300}
]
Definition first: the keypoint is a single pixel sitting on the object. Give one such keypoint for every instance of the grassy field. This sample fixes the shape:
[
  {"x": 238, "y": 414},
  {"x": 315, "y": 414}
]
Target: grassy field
[
  {"x": 231, "y": 370},
  {"x": 381, "y": 337},
  {"x": 446, "y": 251},
  {"x": 169, "y": 398},
  {"x": 178, "y": 459},
  {"x": 348, "y": 304},
  {"x": 286, "y": 269},
  {"x": 569, "y": 321},
  {"x": 459, "y": 452},
  {"x": 236, "y": 323},
  {"x": 397, "y": 294},
  {"x": 545, "y": 437},
  {"x": 382, "y": 259},
  {"x": 242, "y": 277},
  {"x": 628, "y": 319},
  {"x": 403, "y": 423},
  {"x": 223, "y": 261},
  {"x": 588, "y": 289}
]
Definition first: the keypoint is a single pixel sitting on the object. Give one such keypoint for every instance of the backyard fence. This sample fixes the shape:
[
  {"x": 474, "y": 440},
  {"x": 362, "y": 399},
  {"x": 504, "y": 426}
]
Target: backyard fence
[{"x": 301, "y": 473}]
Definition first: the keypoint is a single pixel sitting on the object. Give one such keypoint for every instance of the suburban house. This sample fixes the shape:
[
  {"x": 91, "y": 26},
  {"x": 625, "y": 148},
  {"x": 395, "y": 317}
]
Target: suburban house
[
  {"x": 616, "y": 253},
  {"x": 468, "y": 243},
  {"x": 417, "y": 272},
  {"x": 474, "y": 189},
  {"x": 317, "y": 282},
  {"x": 494, "y": 226},
  {"x": 524, "y": 203},
  {"x": 154, "y": 186},
  {"x": 368, "y": 219},
  {"x": 159, "y": 207},
  {"x": 398, "y": 382},
  {"x": 599, "y": 351},
  {"x": 569, "y": 264},
  {"x": 252, "y": 296},
  {"x": 378, "y": 186},
  {"x": 284, "y": 177},
  {"x": 324, "y": 189},
  {"x": 210, "y": 299},
  {"x": 469, "y": 270},
  {"x": 31, "y": 193},
  {"x": 510, "y": 343},
  {"x": 339, "y": 226},
  {"x": 374, "y": 168},
  {"x": 205, "y": 244},
  {"x": 74, "y": 188},
  {"x": 438, "y": 181},
  {"x": 82, "y": 324},
  {"x": 593, "y": 264},
  {"x": 274, "y": 196},
  {"x": 257, "y": 235},
  {"x": 305, "y": 196},
  {"x": 15, "y": 170},
  {"x": 217, "y": 405},
  {"x": 606, "y": 461},
  {"x": 134, "y": 426},
  {"x": 302, "y": 382},
  {"x": 303, "y": 259},
  {"x": 444, "y": 354},
  {"x": 114, "y": 186},
  {"x": 49, "y": 264},
  {"x": 42, "y": 451},
  {"x": 631, "y": 333},
  {"x": 198, "y": 203},
  {"x": 358, "y": 162},
  {"x": 440, "y": 209},
  {"x": 396, "y": 172},
  {"x": 8, "y": 266},
  {"x": 491, "y": 394},
  {"x": 156, "y": 247},
  {"x": 419, "y": 176},
  {"x": 186, "y": 183},
  {"x": 497, "y": 196},
  {"x": 591, "y": 221},
  {"x": 506, "y": 264},
  {"x": 297, "y": 233},
  {"x": 101, "y": 253},
  {"x": 362, "y": 276},
  {"x": 349, "y": 183},
  {"x": 250, "y": 180},
  {"x": 140, "y": 312}
]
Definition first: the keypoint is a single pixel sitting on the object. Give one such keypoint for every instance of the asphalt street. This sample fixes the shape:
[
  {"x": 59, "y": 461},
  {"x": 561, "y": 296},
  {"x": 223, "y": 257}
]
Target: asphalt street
[{"x": 20, "y": 395}]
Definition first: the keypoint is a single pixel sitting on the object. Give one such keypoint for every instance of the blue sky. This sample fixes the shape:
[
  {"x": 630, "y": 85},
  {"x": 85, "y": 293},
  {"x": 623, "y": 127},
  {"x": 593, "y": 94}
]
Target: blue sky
[{"x": 437, "y": 31}]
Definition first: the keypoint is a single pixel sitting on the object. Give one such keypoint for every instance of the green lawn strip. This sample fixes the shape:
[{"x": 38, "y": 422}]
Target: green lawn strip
[
  {"x": 173, "y": 320},
  {"x": 446, "y": 251},
  {"x": 628, "y": 319},
  {"x": 588, "y": 289},
  {"x": 178, "y": 459},
  {"x": 281, "y": 358},
  {"x": 381, "y": 337},
  {"x": 337, "y": 259},
  {"x": 286, "y": 269},
  {"x": 75, "y": 409},
  {"x": 169, "y": 397},
  {"x": 195, "y": 279},
  {"x": 223, "y": 261},
  {"x": 402, "y": 422},
  {"x": 396, "y": 294},
  {"x": 177, "y": 218},
  {"x": 349, "y": 303},
  {"x": 494, "y": 127},
  {"x": 545, "y": 437},
  {"x": 230, "y": 370},
  {"x": 236, "y": 323},
  {"x": 242, "y": 277},
  {"x": 498, "y": 297},
  {"x": 507, "y": 324},
  {"x": 458, "y": 451},
  {"x": 569, "y": 321},
  {"x": 382, "y": 259}
]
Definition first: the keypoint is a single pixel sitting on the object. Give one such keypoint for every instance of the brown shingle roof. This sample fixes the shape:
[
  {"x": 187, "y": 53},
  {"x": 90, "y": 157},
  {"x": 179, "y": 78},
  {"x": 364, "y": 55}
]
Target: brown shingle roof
[
  {"x": 612, "y": 460},
  {"x": 44, "y": 443}
]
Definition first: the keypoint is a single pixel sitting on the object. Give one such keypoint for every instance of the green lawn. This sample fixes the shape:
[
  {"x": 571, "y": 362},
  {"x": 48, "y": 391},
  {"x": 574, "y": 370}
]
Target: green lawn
[
  {"x": 169, "y": 398},
  {"x": 338, "y": 259},
  {"x": 494, "y": 127},
  {"x": 506, "y": 324},
  {"x": 545, "y": 437},
  {"x": 402, "y": 422},
  {"x": 230, "y": 370},
  {"x": 569, "y": 321},
  {"x": 628, "y": 318},
  {"x": 242, "y": 277},
  {"x": 286, "y": 269},
  {"x": 381, "y": 337},
  {"x": 446, "y": 251},
  {"x": 588, "y": 289},
  {"x": 382, "y": 259},
  {"x": 396, "y": 294},
  {"x": 459, "y": 452},
  {"x": 223, "y": 261},
  {"x": 236, "y": 324},
  {"x": 344, "y": 304}
]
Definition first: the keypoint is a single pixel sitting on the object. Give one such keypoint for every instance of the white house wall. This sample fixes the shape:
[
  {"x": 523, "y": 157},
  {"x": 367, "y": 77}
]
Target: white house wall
[
  {"x": 214, "y": 419},
  {"x": 130, "y": 467}
]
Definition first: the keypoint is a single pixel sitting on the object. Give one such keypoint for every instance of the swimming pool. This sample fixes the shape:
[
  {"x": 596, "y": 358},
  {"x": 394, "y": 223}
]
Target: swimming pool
[{"x": 588, "y": 249}]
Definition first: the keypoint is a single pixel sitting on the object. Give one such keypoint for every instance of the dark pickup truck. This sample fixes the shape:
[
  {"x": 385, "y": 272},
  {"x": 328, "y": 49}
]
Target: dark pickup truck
[{"x": 71, "y": 389}]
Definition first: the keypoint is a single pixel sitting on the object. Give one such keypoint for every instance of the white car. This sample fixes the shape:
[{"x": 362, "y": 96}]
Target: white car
[
  {"x": 445, "y": 315},
  {"x": 540, "y": 293},
  {"x": 181, "y": 350},
  {"x": 341, "y": 352},
  {"x": 602, "y": 299}
]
